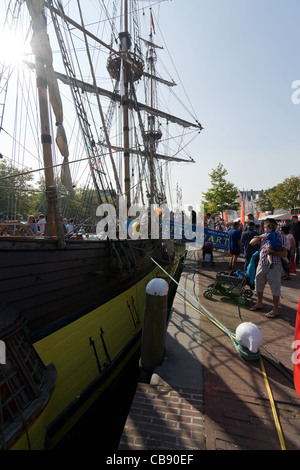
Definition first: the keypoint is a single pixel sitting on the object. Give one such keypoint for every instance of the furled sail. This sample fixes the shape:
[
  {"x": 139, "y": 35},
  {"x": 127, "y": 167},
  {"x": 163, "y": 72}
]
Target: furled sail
[{"x": 41, "y": 47}]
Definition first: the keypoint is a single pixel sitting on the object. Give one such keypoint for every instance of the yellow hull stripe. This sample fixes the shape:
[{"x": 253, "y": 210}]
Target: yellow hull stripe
[{"x": 70, "y": 351}]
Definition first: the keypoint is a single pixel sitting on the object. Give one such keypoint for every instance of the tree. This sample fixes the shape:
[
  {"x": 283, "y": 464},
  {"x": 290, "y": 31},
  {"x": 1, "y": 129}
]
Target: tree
[
  {"x": 264, "y": 201},
  {"x": 223, "y": 194},
  {"x": 286, "y": 195},
  {"x": 80, "y": 207},
  {"x": 16, "y": 193}
]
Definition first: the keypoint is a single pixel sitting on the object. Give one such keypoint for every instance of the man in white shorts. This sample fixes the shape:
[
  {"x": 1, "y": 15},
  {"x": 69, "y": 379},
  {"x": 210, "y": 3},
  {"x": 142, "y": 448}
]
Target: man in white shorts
[{"x": 264, "y": 274}]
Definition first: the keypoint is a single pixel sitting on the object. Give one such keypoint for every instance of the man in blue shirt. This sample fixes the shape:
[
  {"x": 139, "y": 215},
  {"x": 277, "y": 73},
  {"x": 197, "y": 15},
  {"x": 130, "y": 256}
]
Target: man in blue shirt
[{"x": 234, "y": 244}]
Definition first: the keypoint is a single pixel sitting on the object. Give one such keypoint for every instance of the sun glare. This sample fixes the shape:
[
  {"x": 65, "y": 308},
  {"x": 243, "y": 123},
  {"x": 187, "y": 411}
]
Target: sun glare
[{"x": 12, "y": 48}]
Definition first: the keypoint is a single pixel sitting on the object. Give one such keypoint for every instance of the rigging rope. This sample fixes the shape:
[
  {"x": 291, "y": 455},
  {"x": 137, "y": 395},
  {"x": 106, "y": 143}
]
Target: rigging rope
[
  {"x": 234, "y": 341},
  {"x": 192, "y": 112}
]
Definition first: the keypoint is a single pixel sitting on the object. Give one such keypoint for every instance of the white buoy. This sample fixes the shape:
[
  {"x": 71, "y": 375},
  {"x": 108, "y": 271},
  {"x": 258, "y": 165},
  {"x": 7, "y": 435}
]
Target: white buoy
[{"x": 249, "y": 336}]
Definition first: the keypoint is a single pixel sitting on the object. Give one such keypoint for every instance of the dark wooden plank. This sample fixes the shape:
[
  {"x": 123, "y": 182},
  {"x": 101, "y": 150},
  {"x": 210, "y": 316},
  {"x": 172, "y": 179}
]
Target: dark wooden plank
[
  {"x": 50, "y": 285},
  {"x": 46, "y": 266}
]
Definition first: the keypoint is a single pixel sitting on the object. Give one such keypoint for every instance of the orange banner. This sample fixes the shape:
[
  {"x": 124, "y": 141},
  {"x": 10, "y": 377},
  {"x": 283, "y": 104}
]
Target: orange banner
[
  {"x": 296, "y": 354},
  {"x": 225, "y": 216},
  {"x": 242, "y": 212}
]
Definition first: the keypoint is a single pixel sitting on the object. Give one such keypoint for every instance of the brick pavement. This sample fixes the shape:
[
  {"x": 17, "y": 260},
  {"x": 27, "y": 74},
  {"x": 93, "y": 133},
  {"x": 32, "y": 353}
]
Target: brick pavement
[
  {"x": 234, "y": 411},
  {"x": 163, "y": 418},
  {"x": 237, "y": 409}
]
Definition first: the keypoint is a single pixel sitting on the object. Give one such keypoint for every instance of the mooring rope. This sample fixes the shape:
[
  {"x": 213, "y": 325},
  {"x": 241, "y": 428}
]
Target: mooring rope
[{"x": 236, "y": 344}]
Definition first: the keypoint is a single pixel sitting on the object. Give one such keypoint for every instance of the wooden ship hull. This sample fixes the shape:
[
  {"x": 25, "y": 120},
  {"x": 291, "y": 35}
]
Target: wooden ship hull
[
  {"x": 71, "y": 319},
  {"x": 71, "y": 310}
]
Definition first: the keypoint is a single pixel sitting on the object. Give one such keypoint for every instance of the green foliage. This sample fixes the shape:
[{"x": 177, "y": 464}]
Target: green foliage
[
  {"x": 264, "y": 201},
  {"x": 286, "y": 194},
  {"x": 223, "y": 194},
  {"x": 81, "y": 207},
  {"x": 17, "y": 196},
  {"x": 283, "y": 196}
]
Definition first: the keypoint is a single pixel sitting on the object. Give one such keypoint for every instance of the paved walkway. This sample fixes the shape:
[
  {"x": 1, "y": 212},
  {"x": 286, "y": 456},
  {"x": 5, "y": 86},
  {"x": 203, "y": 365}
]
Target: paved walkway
[{"x": 204, "y": 396}]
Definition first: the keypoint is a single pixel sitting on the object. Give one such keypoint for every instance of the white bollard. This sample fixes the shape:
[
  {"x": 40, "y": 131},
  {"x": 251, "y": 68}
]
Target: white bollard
[
  {"x": 249, "y": 336},
  {"x": 155, "y": 324}
]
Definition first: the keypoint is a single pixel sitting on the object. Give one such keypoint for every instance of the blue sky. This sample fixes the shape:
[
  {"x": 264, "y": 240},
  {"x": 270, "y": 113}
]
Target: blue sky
[{"x": 238, "y": 60}]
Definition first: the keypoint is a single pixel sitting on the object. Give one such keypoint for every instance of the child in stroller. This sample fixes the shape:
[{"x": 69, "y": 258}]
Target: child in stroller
[{"x": 230, "y": 284}]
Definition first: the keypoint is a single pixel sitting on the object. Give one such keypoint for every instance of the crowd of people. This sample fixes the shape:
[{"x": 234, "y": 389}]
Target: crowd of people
[
  {"x": 274, "y": 246},
  {"x": 37, "y": 225}
]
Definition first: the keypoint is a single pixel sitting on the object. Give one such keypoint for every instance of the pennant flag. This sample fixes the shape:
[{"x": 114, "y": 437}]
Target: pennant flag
[
  {"x": 152, "y": 23},
  {"x": 296, "y": 354}
]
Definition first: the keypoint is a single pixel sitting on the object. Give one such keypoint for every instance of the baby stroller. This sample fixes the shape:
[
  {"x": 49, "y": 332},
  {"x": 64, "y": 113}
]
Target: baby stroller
[
  {"x": 230, "y": 284},
  {"x": 207, "y": 254}
]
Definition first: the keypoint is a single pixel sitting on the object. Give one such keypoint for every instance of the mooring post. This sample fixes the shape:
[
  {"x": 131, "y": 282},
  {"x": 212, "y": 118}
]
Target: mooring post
[{"x": 155, "y": 324}]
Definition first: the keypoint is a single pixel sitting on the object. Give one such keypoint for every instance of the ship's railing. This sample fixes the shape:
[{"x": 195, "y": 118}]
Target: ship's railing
[{"x": 15, "y": 228}]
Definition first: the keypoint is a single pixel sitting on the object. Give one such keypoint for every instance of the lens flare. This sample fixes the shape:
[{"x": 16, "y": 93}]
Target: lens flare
[{"x": 12, "y": 48}]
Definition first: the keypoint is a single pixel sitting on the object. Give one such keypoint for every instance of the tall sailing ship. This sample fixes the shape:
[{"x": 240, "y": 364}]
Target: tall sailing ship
[{"x": 71, "y": 307}]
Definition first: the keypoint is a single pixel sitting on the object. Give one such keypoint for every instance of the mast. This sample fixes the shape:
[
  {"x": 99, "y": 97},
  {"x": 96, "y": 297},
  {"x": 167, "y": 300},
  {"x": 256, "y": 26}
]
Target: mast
[
  {"x": 152, "y": 135},
  {"x": 54, "y": 226},
  {"x": 125, "y": 46},
  {"x": 126, "y": 67},
  {"x": 151, "y": 125}
]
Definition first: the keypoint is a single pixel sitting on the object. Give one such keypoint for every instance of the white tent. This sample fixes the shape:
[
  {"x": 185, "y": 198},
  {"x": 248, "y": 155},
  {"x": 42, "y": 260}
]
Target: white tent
[{"x": 283, "y": 216}]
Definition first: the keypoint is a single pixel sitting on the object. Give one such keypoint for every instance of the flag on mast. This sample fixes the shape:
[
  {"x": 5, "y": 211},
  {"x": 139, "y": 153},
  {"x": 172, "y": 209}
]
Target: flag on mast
[{"x": 152, "y": 22}]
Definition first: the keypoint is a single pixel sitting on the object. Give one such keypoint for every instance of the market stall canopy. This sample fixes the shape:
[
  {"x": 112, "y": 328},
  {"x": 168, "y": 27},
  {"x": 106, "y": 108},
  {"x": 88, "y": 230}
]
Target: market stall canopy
[{"x": 279, "y": 216}]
